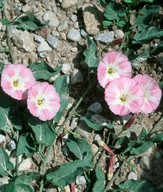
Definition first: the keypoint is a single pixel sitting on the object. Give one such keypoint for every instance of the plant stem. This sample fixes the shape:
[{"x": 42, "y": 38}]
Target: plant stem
[{"x": 44, "y": 162}]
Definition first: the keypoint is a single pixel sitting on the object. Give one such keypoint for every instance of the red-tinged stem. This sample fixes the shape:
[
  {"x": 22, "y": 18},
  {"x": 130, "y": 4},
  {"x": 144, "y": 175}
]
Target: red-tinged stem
[
  {"x": 72, "y": 187},
  {"x": 129, "y": 122},
  {"x": 106, "y": 148}
]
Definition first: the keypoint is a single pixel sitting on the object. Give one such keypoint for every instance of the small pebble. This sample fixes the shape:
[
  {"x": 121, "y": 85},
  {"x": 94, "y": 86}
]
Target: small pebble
[
  {"x": 63, "y": 25},
  {"x": 119, "y": 34},
  {"x": 4, "y": 180},
  {"x": 38, "y": 39},
  {"x": 52, "y": 18},
  {"x": 11, "y": 145},
  {"x": 25, "y": 165},
  {"x": 133, "y": 176},
  {"x": 43, "y": 47},
  {"x": 53, "y": 41},
  {"x": 106, "y": 37},
  {"x": 66, "y": 68},
  {"x": 73, "y": 35},
  {"x": 73, "y": 18},
  {"x": 80, "y": 180},
  {"x": 2, "y": 138},
  {"x": 42, "y": 54},
  {"x": 97, "y": 137},
  {"x": 83, "y": 33}
]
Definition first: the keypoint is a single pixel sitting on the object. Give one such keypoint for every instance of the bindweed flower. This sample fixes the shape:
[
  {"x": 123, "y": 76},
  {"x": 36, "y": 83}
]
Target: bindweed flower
[
  {"x": 16, "y": 79},
  {"x": 124, "y": 95},
  {"x": 152, "y": 93},
  {"x": 43, "y": 101},
  {"x": 113, "y": 65},
  {"x": 111, "y": 161}
]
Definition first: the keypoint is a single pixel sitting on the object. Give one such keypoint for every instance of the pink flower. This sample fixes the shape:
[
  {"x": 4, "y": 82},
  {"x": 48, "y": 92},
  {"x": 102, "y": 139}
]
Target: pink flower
[
  {"x": 113, "y": 65},
  {"x": 152, "y": 93},
  {"x": 123, "y": 96},
  {"x": 43, "y": 101},
  {"x": 16, "y": 79}
]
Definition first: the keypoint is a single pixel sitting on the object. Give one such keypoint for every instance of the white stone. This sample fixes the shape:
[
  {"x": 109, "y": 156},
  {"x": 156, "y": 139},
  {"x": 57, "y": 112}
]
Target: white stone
[
  {"x": 26, "y": 8},
  {"x": 94, "y": 149},
  {"x": 73, "y": 18},
  {"x": 2, "y": 138},
  {"x": 69, "y": 3},
  {"x": 133, "y": 176},
  {"x": 52, "y": 18},
  {"x": 38, "y": 38},
  {"x": 97, "y": 137},
  {"x": 4, "y": 180},
  {"x": 63, "y": 25},
  {"x": 25, "y": 165},
  {"x": 119, "y": 34},
  {"x": 22, "y": 39},
  {"x": 73, "y": 35},
  {"x": 44, "y": 47},
  {"x": 106, "y": 37},
  {"x": 80, "y": 180},
  {"x": 1, "y": 26},
  {"x": 66, "y": 68},
  {"x": 67, "y": 189}
]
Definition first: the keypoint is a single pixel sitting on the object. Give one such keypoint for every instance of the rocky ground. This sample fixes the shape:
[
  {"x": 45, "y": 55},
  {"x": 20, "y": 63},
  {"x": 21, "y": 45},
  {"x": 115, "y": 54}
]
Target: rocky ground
[{"x": 62, "y": 42}]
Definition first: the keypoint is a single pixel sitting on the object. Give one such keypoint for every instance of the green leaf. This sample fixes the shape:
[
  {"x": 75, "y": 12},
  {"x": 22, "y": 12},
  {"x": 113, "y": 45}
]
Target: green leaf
[
  {"x": 29, "y": 23},
  {"x": 122, "y": 142},
  {"x": 5, "y": 123},
  {"x": 157, "y": 138},
  {"x": 27, "y": 178},
  {"x": 110, "y": 12},
  {"x": 23, "y": 183},
  {"x": 137, "y": 186},
  {"x": 107, "y": 23},
  {"x": 5, "y": 21},
  {"x": 43, "y": 132},
  {"x": 90, "y": 54},
  {"x": 100, "y": 181},
  {"x": 67, "y": 173},
  {"x": 145, "y": 17},
  {"x": 114, "y": 11},
  {"x": 80, "y": 148},
  {"x": 5, "y": 104},
  {"x": 61, "y": 87},
  {"x": 91, "y": 124},
  {"x": 161, "y": 85},
  {"x": 26, "y": 145},
  {"x": 13, "y": 187},
  {"x": 5, "y": 165},
  {"x": 121, "y": 23},
  {"x": 43, "y": 71},
  {"x": 147, "y": 35},
  {"x": 142, "y": 148}
]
